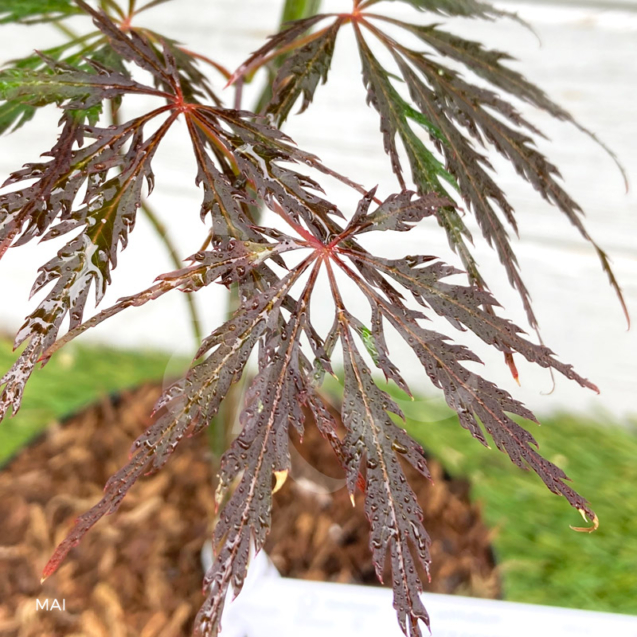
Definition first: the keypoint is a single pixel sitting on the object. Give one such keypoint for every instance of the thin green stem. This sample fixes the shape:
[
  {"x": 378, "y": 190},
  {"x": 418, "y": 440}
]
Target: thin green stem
[
  {"x": 106, "y": 4},
  {"x": 68, "y": 32},
  {"x": 231, "y": 406},
  {"x": 162, "y": 233},
  {"x": 299, "y": 9},
  {"x": 221, "y": 437}
]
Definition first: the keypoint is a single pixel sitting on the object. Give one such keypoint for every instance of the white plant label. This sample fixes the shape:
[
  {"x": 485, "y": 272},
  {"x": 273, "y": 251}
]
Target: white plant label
[{"x": 271, "y": 605}]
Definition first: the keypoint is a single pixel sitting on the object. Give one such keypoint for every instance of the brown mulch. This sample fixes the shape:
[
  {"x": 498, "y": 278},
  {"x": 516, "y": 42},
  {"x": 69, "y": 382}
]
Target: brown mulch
[
  {"x": 138, "y": 573},
  {"x": 317, "y": 535}
]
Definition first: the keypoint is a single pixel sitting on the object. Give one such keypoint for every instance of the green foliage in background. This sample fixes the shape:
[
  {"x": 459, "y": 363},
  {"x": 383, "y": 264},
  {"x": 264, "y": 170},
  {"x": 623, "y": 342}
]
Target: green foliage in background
[
  {"x": 543, "y": 560},
  {"x": 72, "y": 380}
]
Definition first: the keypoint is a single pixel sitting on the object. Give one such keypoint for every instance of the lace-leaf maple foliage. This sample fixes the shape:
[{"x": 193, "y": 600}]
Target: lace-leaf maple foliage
[
  {"x": 455, "y": 114},
  {"x": 92, "y": 183}
]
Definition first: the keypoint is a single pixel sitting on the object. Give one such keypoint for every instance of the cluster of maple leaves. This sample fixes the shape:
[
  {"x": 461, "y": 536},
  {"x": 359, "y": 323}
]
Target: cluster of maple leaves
[{"x": 92, "y": 183}]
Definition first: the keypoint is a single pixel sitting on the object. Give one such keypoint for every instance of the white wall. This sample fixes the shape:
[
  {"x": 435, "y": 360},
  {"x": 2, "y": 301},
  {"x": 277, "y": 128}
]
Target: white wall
[{"x": 586, "y": 62}]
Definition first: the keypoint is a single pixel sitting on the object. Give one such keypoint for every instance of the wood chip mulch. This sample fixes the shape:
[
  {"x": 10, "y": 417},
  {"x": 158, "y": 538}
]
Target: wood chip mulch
[
  {"x": 317, "y": 535},
  {"x": 138, "y": 573}
]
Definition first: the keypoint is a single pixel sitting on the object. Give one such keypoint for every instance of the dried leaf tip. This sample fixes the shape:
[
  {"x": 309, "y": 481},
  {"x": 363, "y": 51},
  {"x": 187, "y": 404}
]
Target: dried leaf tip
[
  {"x": 281, "y": 477},
  {"x": 586, "y": 529},
  {"x": 508, "y": 358},
  {"x": 218, "y": 496}
]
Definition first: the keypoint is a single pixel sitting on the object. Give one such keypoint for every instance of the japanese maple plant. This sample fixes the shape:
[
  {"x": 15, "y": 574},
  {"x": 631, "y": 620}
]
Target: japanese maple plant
[{"x": 438, "y": 121}]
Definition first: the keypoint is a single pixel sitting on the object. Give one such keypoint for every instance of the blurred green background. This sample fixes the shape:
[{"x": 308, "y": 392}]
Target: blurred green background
[{"x": 542, "y": 560}]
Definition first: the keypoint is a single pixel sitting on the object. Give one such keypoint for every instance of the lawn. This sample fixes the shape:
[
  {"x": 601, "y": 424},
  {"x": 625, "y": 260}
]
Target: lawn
[
  {"x": 72, "y": 379},
  {"x": 542, "y": 560}
]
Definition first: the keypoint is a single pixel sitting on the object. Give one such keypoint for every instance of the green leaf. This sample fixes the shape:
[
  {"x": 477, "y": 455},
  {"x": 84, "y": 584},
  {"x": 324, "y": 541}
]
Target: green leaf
[
  {"x": 31, "y": 11},
  {"x": 368, "y": 341},
  {"x": 425, "y": 122},
  {"x": 66, "y": 84},
  {"x": 74, "y": 53},
  {"x": 13, "y": 115}
]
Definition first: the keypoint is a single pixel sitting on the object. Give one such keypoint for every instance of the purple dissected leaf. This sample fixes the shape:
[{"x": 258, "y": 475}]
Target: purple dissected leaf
[
  {"x": 301, "y": 73},
  {"x": 106, "y": 218},
  {"x": 447, "y": 104},
  {"x": 325, "y": 422},
  {"x": 285, "y": 38},
  {"x": 54, "y": 190},
  {"x": 228, "y": 262},
  {"x": 462, "y": 8},
  {"x": 478, "y": 188},
  {"x": 382, "y": 360},
  {"x": 222, "y": 199},
  {"x": 487, "y": 64},
  {"x": 274, "y": 400},
  {"x": 259, "y": 151},
  {"x": 374, "y": 442},
  {"x": 194, "y": 85},
  {"x": 400, "y": 212},
  {"x": 475, "y": 399},
  {"x": 465, "y": 308},
  {"x": 189, "y": 405},
  {"x": 133, "y": 46},
  {"x": 243, "y": 161},
  {"x": 427, "y": 171},
  {"x": 383, "y": 97}
]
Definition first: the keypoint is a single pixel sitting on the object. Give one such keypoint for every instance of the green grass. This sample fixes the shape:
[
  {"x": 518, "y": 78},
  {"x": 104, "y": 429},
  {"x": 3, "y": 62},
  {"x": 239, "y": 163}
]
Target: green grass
[
  {"x": 73, "y": 378},
  {"x": 542, "y": 560}
]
